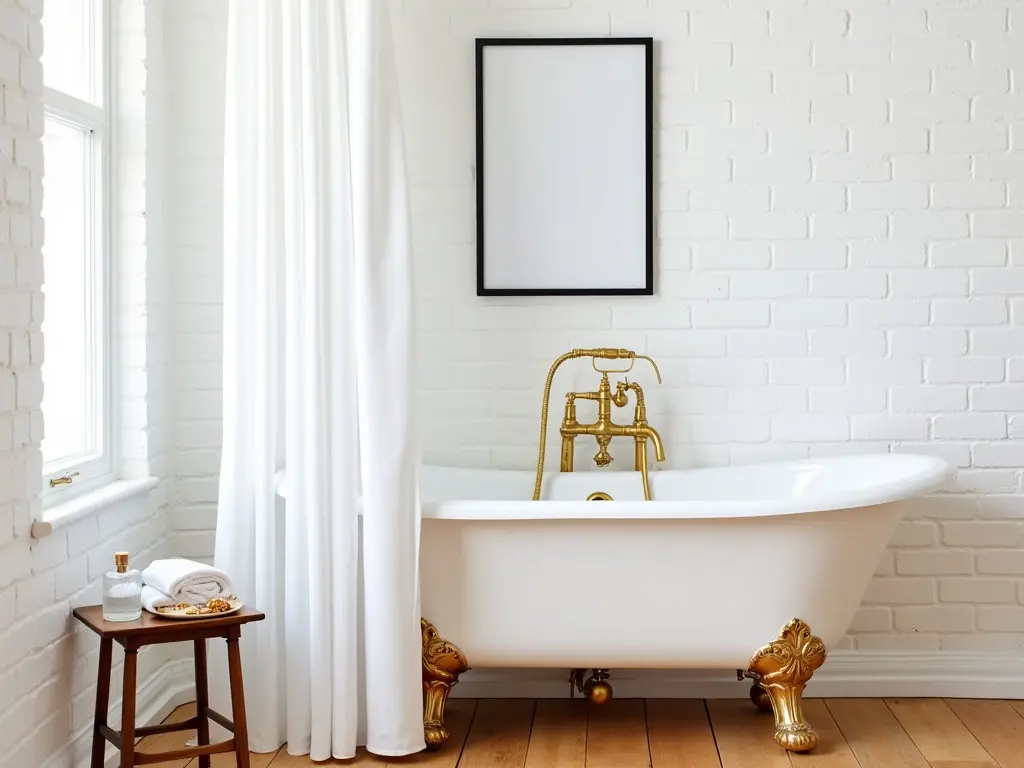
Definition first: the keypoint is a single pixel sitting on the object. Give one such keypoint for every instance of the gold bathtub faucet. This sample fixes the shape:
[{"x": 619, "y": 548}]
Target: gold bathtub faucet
[{"x": 603, "y": 429}]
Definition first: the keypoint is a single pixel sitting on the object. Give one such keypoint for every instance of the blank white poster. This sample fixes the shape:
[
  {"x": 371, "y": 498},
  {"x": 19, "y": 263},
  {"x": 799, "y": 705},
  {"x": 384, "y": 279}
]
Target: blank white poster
[{"x": 565, "y": 168}]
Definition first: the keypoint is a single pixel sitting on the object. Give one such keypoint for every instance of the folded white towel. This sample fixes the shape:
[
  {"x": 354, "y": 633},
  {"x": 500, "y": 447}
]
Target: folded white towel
[
  {"x": 153, "y": 598},
  {"x": 186, "y": 581}
]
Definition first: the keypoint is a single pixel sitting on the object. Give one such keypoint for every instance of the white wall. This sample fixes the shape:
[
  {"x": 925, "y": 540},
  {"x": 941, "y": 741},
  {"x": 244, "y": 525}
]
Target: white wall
[
  {"x": 47, "y": 662},
  {"x": 840, "y": 265},
  {"x": 195, "y": 40}
]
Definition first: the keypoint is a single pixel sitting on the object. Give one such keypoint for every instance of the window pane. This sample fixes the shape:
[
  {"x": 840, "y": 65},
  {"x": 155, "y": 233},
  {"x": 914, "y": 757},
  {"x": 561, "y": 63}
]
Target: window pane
[
  {"x": 70, "y": 44},
  {"x": 71, "y": 369}
]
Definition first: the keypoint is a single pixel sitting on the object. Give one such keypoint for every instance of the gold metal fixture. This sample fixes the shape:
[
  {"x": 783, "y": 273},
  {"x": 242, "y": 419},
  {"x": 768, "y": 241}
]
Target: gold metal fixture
[
  {"x": 63, "y": 479},
  {"x": 599, "y": 496},
  {"x": 781, "y": 670},
  {"x": 603, "y": 429},
  {"x": 596, "y": 688},
  {"x": 760, "y": 697},
  {"x": 442, "y": 665}
]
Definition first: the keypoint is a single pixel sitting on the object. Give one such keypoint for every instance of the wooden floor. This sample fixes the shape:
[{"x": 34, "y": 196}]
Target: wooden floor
[{"x": 683, "y": 733}]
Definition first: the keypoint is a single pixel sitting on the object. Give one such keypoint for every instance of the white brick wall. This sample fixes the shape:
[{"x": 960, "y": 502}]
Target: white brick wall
[
  {"x": 195, "y": 38},
  {"x": 839, "y": 248},
  {"x": 47, "y": 663}
]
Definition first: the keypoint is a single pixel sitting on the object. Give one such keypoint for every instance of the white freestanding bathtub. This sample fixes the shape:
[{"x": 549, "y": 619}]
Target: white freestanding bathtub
[
  {"x": 758, "y": 568},
  {"x": 700, "y": 577}
]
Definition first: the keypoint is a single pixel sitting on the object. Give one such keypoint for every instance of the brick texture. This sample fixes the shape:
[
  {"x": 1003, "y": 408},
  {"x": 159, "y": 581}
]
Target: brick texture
[
  {"x": 48, "y": 665},
  {"x": 839, "y": 241}
]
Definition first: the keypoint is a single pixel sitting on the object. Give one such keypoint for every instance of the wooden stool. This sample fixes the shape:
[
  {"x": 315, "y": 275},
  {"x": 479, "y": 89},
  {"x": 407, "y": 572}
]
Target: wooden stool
[{"x": 150, "y": 630}]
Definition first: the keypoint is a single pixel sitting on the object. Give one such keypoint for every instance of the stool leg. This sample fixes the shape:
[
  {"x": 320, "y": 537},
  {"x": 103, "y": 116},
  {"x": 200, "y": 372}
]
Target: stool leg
[
  {"x": 128, "y": 708},
  {"x": 202, "y": 700},
  {"x": 99, "y": 743},
  {"x": 237, "y": 699}
]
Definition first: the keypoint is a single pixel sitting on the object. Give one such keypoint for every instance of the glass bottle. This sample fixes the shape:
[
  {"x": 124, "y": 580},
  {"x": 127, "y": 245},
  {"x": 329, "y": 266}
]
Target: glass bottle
[{"x": 122, "y": 591}]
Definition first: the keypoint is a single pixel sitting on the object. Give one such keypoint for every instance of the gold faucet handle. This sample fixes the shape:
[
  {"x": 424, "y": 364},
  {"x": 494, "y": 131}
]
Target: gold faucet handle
[
  {"x": 621, "y": 396},
  {"x": 623, "y": 387},
  {"x": 570, "y": 409}
]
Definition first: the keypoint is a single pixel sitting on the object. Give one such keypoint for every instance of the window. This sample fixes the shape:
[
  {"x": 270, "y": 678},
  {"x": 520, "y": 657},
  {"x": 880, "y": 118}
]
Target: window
[{"x": 76, "y": 250}]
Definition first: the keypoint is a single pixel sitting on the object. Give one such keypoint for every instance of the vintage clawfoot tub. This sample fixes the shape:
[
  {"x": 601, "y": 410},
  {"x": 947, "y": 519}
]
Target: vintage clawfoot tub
[{"x": 726, "y": 568}]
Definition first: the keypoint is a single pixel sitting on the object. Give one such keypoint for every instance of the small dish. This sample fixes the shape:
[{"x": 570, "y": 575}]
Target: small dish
[{"x": 185, "y": 612}]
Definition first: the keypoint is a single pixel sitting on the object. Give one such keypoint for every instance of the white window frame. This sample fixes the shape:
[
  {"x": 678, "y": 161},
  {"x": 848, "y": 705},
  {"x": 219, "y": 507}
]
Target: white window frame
[{"x": 90, "y": 471}]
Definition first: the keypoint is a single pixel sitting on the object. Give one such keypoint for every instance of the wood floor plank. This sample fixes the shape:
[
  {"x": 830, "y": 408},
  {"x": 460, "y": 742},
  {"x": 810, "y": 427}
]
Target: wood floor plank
[
  {"x": 997, "y": 725},
  {"x": 227, "y": 760},
  {"x": 939, "y": 734},
  {"x": 499, "y": 735},
  {"x": 832, "y": 750},
  {"x": 284, "y": 760},
  {"x": 559, "y": 736},
  {"x": 165, "y": 742},
  {"x": 679, "y": 734},
  {"x": 458, "y": 716},
  {"x": 874, "y": 734},
  {"x": 184, "y": 712},
  {"x": 745, "y": 736},
  {"x": 617, "y": 735}
]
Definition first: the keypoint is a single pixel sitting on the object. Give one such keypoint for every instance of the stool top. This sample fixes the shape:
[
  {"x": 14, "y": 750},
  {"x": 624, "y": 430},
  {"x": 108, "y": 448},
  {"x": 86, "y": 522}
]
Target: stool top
[{"x": 150, "y": 624}]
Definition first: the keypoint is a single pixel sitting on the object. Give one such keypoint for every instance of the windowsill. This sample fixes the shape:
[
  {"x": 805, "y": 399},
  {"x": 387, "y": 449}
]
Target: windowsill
[{"x": 66, "y": 513}]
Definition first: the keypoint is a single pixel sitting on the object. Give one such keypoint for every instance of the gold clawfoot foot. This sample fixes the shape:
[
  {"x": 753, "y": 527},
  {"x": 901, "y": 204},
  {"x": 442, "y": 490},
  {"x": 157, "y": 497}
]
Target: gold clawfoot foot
[
  {"x": 782, "y": 669},
  {"x": 596, "y": 688},
  {"x": 760, "y": 698},
  {"x": 442, "y": 665}
]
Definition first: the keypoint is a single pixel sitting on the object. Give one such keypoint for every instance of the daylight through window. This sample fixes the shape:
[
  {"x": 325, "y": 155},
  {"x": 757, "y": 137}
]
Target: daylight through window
[{"x": 76, "y": 368}]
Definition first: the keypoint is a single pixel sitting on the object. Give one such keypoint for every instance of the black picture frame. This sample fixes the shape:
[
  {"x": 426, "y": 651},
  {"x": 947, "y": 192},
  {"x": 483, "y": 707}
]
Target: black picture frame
[{"x": 648, "y": 45}]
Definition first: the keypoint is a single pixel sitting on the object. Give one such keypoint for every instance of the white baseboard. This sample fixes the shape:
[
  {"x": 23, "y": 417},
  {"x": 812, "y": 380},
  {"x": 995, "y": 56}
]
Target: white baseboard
[
  {"x": 168, "y": 688},
  {"x": 845, "y": 674}
]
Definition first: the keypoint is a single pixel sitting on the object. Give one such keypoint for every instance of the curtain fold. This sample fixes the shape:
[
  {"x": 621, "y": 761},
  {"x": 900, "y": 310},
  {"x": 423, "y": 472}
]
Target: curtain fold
[{"x": 318, "y": 381}]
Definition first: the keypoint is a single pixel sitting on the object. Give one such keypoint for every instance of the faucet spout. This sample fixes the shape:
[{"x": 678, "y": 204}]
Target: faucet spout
[{"x": 652, "y": 434}]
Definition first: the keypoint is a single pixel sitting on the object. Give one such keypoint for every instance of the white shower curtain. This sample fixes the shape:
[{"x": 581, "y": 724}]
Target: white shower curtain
[{"x": 318, "y": 380}]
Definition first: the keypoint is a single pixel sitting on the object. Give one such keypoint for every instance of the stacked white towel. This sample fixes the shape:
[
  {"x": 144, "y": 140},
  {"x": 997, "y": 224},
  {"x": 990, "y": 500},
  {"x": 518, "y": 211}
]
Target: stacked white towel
[{"x": 177, "y": 580}]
